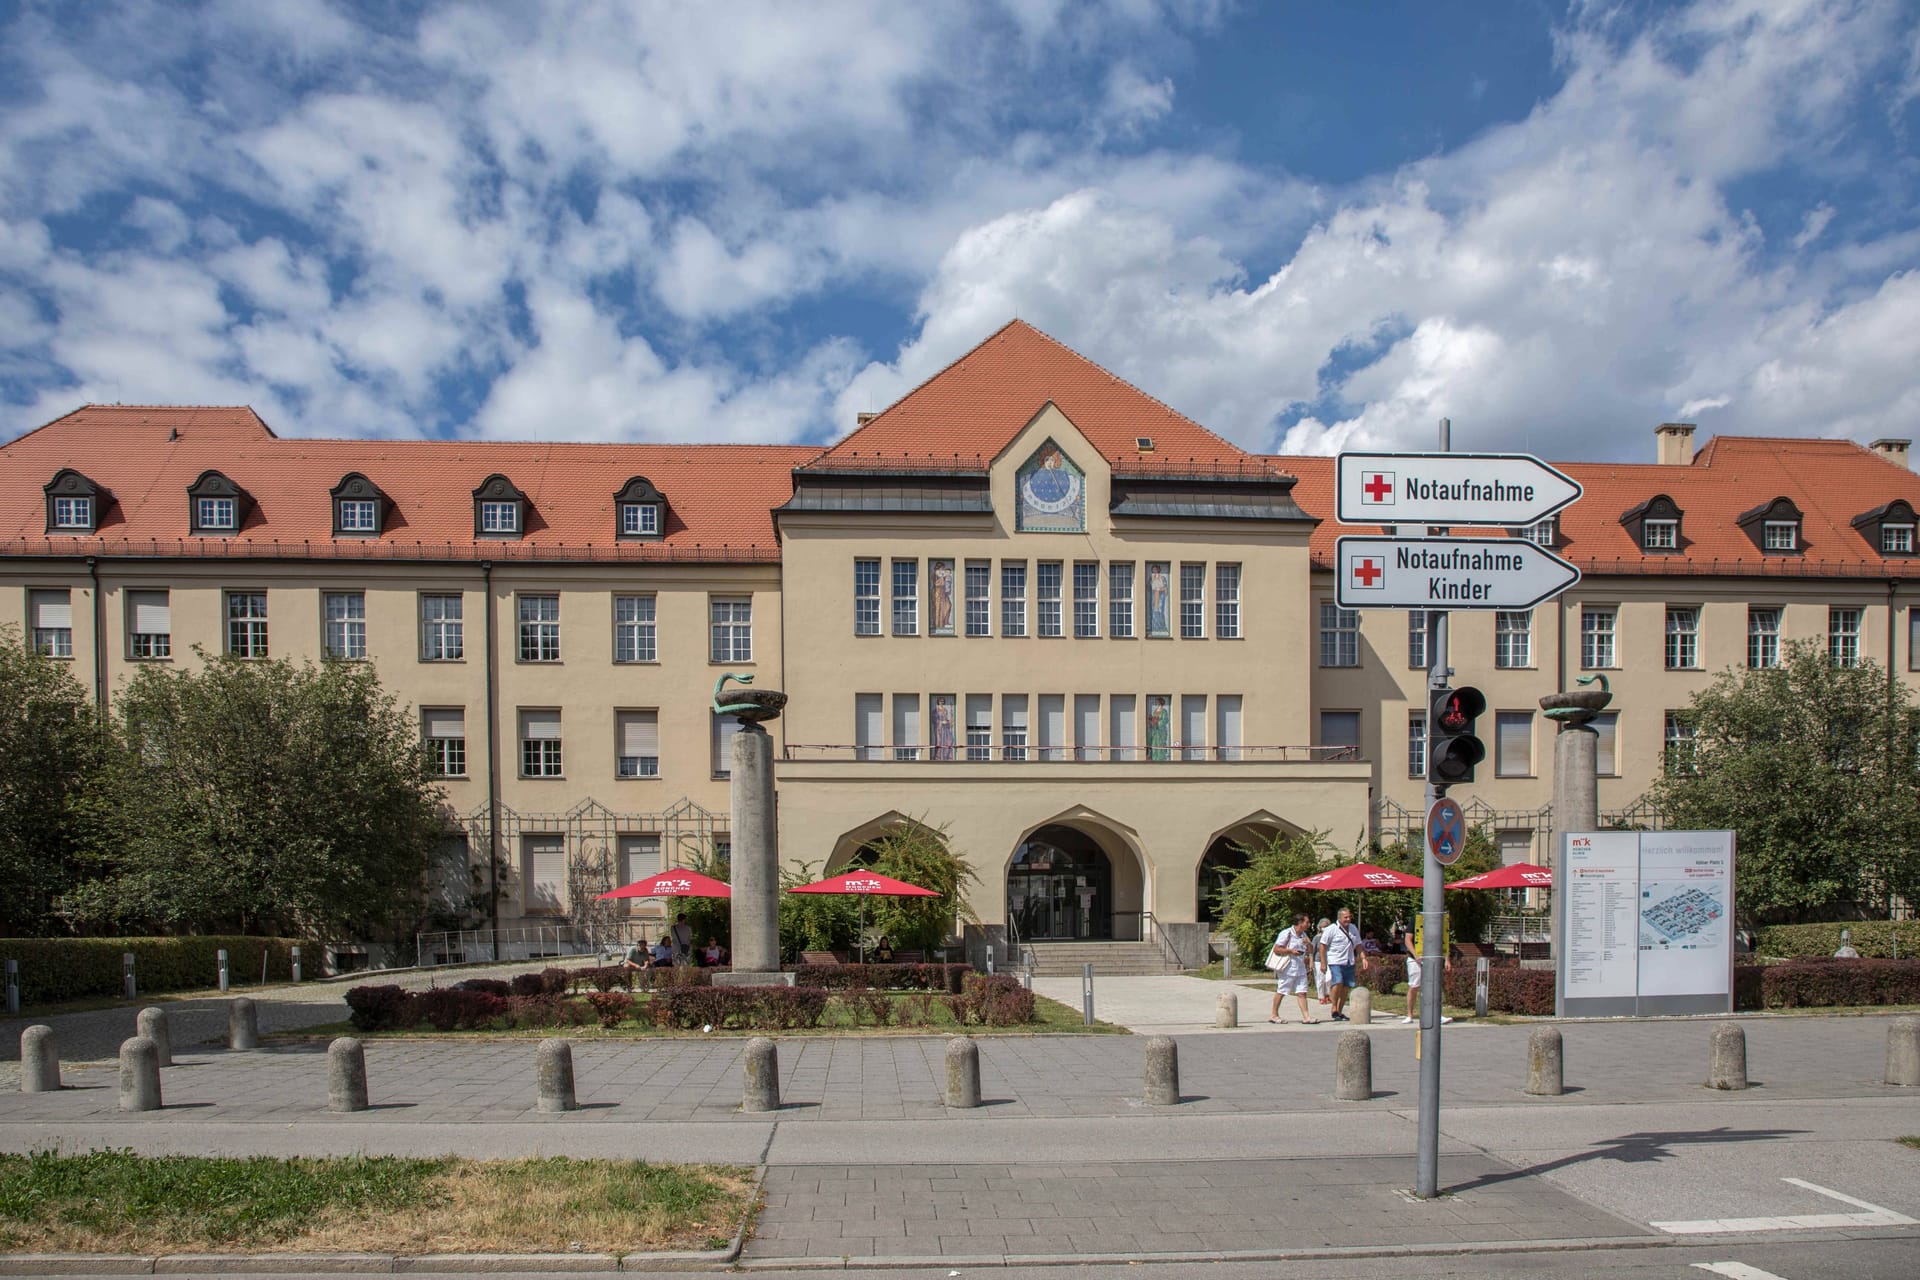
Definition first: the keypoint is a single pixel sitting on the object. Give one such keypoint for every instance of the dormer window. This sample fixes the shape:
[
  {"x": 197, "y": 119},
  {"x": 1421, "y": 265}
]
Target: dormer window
[
  {"x": 640, "y": 510},
  {"x": 359, "y": 508},
  {"x": 1542, "y": 532},
  {"x": 1655, "y": 525},
  {"x": 1660, "y": 535},
  {"x": 1780, "y": 535},
  {"x": 499, "y": 509},
  {"x": 1889, "y": 528},
  {"x": 216, "y": 504},
  {"x": 73, "y": 503},
  {"x": 1774, "y": 527},
  {"x": 1896, "y": 539}
]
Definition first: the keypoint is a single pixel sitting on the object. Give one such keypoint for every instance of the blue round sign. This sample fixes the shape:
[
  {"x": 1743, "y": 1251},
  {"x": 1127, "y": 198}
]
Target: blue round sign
[{"x": 1446, "y": 831}]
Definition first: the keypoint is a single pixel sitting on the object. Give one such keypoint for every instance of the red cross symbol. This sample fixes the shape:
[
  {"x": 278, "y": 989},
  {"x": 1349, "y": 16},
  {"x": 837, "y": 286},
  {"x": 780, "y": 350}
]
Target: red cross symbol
[
  {"x": 1377, "y": 486},
  {"x": 1367, "y": 572}
]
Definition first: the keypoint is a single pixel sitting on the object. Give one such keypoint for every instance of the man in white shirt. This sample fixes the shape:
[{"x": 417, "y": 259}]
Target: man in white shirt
[
  {"x": 1294, "y": 949},
  {"x": 1339, "y": 948}
]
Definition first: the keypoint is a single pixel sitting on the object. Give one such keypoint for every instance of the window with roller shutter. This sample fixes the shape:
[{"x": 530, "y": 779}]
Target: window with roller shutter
[
  {"x": 636, "y": 744},
  {"x": 149, "y": 625}
]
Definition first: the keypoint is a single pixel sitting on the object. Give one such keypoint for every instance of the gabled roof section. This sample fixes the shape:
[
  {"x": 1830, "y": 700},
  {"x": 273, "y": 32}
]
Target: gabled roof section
[{"x": 962, "y": 418}]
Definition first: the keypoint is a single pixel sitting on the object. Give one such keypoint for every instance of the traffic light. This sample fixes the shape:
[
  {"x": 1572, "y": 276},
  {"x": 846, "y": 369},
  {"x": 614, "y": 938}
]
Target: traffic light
[{"x": 1452, "y": 748}]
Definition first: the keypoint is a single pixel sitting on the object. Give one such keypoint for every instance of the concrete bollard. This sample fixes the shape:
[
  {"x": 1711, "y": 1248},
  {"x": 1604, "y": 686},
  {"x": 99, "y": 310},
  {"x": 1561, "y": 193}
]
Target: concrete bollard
[
  {"x": 963, "y": 1072},
  {"x": 1359, "y": 1008},
  {"x": 346, "y": 1075},
  {"x": 1353, "y": 1067},
  {"x": 1226, "y": 1009},
  {"x": 152, "y": 1023},
  {"x": 39, "y": 1061},
  {"x": 553, "y": 1075},
  {"x": 296, "y": 962},
  {"x": 762, "y": 1087},
  {"x": 139, "y": 1075},
  {"x": 1903, "y": 1051},
  {"x": 1545, "y": 1073},
  {"x": 1728, "y": 1069},
  {"x": 1163, "y": 1072},
  {"x": 243, "y": 1025}
]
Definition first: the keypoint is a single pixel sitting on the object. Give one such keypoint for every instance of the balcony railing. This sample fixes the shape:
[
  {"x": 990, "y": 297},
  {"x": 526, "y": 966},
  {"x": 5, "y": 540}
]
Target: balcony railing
[
  {"x": 386, "y": 549},
  {"x": 1002, "y": 753}
]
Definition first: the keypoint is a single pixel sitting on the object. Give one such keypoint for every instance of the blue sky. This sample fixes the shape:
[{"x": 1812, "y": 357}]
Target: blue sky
[{"x": 1307, "y": 225}]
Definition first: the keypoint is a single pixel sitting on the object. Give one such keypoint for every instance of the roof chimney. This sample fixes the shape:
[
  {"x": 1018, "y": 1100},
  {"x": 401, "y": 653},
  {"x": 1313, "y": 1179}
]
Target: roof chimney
[
  {"x": 862, "y": 419},
  {"x": 1674, "y": 440},
  {"x": 1894, "y": 451}
]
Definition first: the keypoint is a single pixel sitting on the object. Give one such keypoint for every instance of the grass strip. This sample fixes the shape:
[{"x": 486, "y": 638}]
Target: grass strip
[
  {"x": 118, "y": 1202},
  {"x": 1911, "y": 1142}
]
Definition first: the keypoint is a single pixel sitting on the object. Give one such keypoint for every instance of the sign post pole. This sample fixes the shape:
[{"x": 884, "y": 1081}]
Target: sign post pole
[{"x": 1426, "y": 1182}]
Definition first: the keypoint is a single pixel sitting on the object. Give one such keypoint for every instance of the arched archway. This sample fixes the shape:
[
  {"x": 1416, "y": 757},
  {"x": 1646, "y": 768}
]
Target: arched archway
[
  {"x": 1060, "y": 886},
  {"x": 1226, "y": 853}
]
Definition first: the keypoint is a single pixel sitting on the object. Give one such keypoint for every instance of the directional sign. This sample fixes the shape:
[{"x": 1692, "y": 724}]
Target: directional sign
[
  {"x": 1450, "y": 488},
  {"x": 1446, "y": 573},
  {"x": 1446, "y": 831}
]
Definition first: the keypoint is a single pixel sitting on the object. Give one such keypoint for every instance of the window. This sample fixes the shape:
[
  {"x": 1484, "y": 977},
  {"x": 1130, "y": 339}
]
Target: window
[
  {"x": 540, "y": 744},
  {"x": 1513, "y": 744},
  {"x": 1013, "y": 726},
  {"x": 1193, "y": 726},
  {"x": 1050, "y": 722},
  {"x": 1120, "y": 600},
  {"x": 725, "y": 730},
  {"x": 869, "y": 726},
  {"x": 247, "y": 624},
  {"x": 1086, "y": 725},
  {"x": 539, "y": 628},
  {"x": 1515, "y": 846},
  {"x": 1513, "y": 638},
  {"x": 1763, "y": 636},
  {"x": 1540, "y": 532},
  {"x": 345, "y": 613},
  {"x": 866, "y": 597},
  {"x": 359, "y": 515},
  {"x": 906, "y": 726},
  {"x": 1340, "y": 729},
  {"x": 979, "y": 598},
  {"x": 1606, "y": 751},
  {"x": 52, "y": 619},
  {"x": 1226, "y": 601},
  {"x": 442, "y": 633},
  {"x": 1047, "y": 584},
  {"x": 633, "y": 629},
  {"x": 1913, "y": 639},
  {"x": 1013, "y": 597},
  {"x": 1779, "y": 535},
  {"x": 214, "y": 513},
  {"x": 732, "y": 629},
  {"x": 1193, "y": 602},
  {"x": 1660, "y": 535},
  {"x": 544, "y": 872},
  {"x": 1683, "y": 639},
  {"x": 1417, "y": 626},
  {"x": 1226, "y": 721},
  {"x": 1123, "y": 715},
  {"x": 1416, "y": 744},
  {"x": 1086, "y": 599},
  {"x": 1679, "y": 743},
  {"x": 1339, "y": 636},
  {"x": 444, "y": 731},
  {"x": 639, "y": 858},
  {"x": 149, "y": 625},
  {"x": 639, "y": 519},
  {"x": 499, "y": 517},
  {"x": 1896, "y": 539},
  {"x": 979, "y": 726},
  {"x": 906, "y": 597},
  {"x": 640, "y": 510},
  {"x": 1843, "y": 637},
  {"x": 1596, "y": 638},
  {"x": 77, "y": 513},
  {"x": 636, "y": 744}
]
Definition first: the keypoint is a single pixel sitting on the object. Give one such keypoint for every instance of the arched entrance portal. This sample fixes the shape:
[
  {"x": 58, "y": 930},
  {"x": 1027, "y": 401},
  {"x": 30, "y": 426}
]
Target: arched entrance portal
[
  {"x": 1223, "y": 857},
  {"x": 1060, "y": 885}
]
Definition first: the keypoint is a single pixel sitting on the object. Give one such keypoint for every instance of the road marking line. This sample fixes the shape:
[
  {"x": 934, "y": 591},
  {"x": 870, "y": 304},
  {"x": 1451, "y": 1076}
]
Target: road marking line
[
  {"x": 1736, "y": 1271},
  {"x": 1872, "y": 1215}
]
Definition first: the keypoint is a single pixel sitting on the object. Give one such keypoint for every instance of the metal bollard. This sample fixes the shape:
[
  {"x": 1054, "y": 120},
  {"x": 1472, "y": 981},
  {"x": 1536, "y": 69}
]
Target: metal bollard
[
  {"x": 963, "y": 1072},
  {"x": 1903, "y": 1051},
  {"x": 1226, "y": 966},
  {"x": 1226, "y": 1009},
  {"x": 243, "y": 1024},
  {"x": 13, "y": 988},
  {"x": 296, "y": 962},
  {"x": 1481, "y": 979},
  {"x": 39, "y": 1061},
  {"x": 1546, "y": 1077},
  {"x": 762, "y": 1085},
  {"x": 1163, "y": 1072},
  {"x": 139, "y": 1075},
  {"x": 1728, "y": 1069},
  {"x": 1353, "y": 1067},
  {"x": 553, "y": 1076},
  {"x": 1359, "y": 1008},
  {"x": 1086, "y": 992},
  {"x": 221, "y": 957},
  {"x": 346, "y": 1075},
  {"x": 127, "y": 986},
  {"x": 152, "y": 1023}
]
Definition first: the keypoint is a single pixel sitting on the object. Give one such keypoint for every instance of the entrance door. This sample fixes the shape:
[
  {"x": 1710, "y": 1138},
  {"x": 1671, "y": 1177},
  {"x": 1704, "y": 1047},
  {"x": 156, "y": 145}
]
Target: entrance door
[{"x": 1060, "y": 887}]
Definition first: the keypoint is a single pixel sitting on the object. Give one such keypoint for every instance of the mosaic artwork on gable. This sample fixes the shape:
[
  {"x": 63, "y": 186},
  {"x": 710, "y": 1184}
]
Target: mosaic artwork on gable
[{"x": 1052, "y": 493}]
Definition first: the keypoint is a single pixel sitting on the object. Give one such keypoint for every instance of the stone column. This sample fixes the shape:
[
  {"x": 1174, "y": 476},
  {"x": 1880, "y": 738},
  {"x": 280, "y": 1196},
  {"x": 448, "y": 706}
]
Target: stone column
[
  {"x": 756, "y": 854},
  {"x": 1576, "y": 776}
]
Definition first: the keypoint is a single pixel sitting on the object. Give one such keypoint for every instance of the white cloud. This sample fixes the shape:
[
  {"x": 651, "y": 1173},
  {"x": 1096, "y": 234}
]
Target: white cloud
[{"x": 1133, "y": 100}]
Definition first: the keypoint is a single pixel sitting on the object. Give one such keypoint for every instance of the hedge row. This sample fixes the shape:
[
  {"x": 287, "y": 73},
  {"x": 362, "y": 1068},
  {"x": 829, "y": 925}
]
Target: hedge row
[
  {"x": 57, "y": 969},
  {"x": 1509, "y": 990},
  {"x": 1873, "y": 939},
  {"x": 1801, "y": 984},
  {"x": 824, "y": 977}
]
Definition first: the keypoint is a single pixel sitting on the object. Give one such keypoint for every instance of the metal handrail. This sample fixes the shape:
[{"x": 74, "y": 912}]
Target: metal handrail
[{"x": 991, "y": 753}]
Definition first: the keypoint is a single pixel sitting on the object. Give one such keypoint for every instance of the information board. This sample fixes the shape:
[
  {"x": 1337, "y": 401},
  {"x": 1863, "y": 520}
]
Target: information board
[{"x": 1646, "y": 923}]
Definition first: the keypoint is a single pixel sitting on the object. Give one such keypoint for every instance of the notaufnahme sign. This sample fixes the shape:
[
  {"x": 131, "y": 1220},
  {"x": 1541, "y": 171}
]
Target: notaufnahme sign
[
  {"x": 1446, "y": 573},
  {"x": 1449, "y": 489}
]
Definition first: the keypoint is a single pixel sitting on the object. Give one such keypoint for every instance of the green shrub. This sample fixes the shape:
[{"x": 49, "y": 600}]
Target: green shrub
[
  {"x": 57, "y": 969},
  {"x": 996, "y": 1000},
  {"x": 1873, "y": 939},
  {"x": 1813, "y": 984}
]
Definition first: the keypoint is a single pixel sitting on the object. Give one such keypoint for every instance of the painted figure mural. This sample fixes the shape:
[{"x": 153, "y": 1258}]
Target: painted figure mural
[
  {"x": 1159, "y": 611},
  {"x": 1052, "y": 492},
  {"x": 943, "y": 726},
  {"x": 1159, "y": 727},
  {"x": 940, "y": 605}
]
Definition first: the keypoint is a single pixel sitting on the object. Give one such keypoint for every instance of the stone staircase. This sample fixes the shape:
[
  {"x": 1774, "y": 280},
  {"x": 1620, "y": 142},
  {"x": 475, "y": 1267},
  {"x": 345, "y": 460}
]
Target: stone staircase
[{"x": 1109, "y": 959}]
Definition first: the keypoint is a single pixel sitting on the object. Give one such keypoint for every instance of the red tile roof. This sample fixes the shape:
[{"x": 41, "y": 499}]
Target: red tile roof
[
  {"x": 719, "y": 497},
  {"x": 964, "y": 416},
  {"x": 1830, "y": 481}
]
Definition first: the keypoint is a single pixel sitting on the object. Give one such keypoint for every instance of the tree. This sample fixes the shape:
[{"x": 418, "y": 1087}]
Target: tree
[
  {"x": 1811, "y": 765},
  {"x": 51, "y": 756},
  {"x": 911, "y": 851},
  {"x": 262, "y": 796}
]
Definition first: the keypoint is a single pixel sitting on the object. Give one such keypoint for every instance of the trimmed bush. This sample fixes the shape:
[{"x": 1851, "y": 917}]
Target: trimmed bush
[
  {"x": 884, "y": 977},
  {"x": 492, "y": 986},
  {"x": 996, "y": 1000},
  {"x": 1813, "y": 984},
  {"x": 1509, "y": 990},
  {"x": 57, "y": 969},
  {"x": 616, "y": 977},
  {"x": 381, "y": 1008},
  {"x": 454, "y": 1009},
  {"x": 611, "y": 1007},
  {"x": 745, "y": 1008},
  {"x": 1873, "y": 939}
]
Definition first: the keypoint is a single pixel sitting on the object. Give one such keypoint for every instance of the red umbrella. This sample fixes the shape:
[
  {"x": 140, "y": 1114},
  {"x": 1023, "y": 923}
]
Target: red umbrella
[
  {"x": 672, "y": 884},
  {"x": 1360, "y": 875},
  {"x": 865, "y": 884},
  {"x": 1517, "y": 875}
]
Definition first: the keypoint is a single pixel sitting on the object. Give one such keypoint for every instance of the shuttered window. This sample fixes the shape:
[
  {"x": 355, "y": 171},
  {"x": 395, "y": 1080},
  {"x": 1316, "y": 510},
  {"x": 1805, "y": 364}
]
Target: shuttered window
[
  {"x": 1053, "y": 726},
  {"x": 545, "y": 868},
  {"x": 1086, "y": 725},
  {"x": 724, "y": 729},
  {"x": 149, "y": 625},
  {"x": 869, "y": 725},
  {"x": 51, "y": 614},
  {"x": 1513, "y": 744},
  {"x": 636, "y": 744},
  {"x": 1124, "y": 717},
  {"x": 979, "y": 726},
  {"x": 445, "y": 732},
  {"x": 540, "y": 744},
  {"x": 906, "y": 726},
  {"x": 1226, "y": 715},
  {"x": 1193, "y": 725}
]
